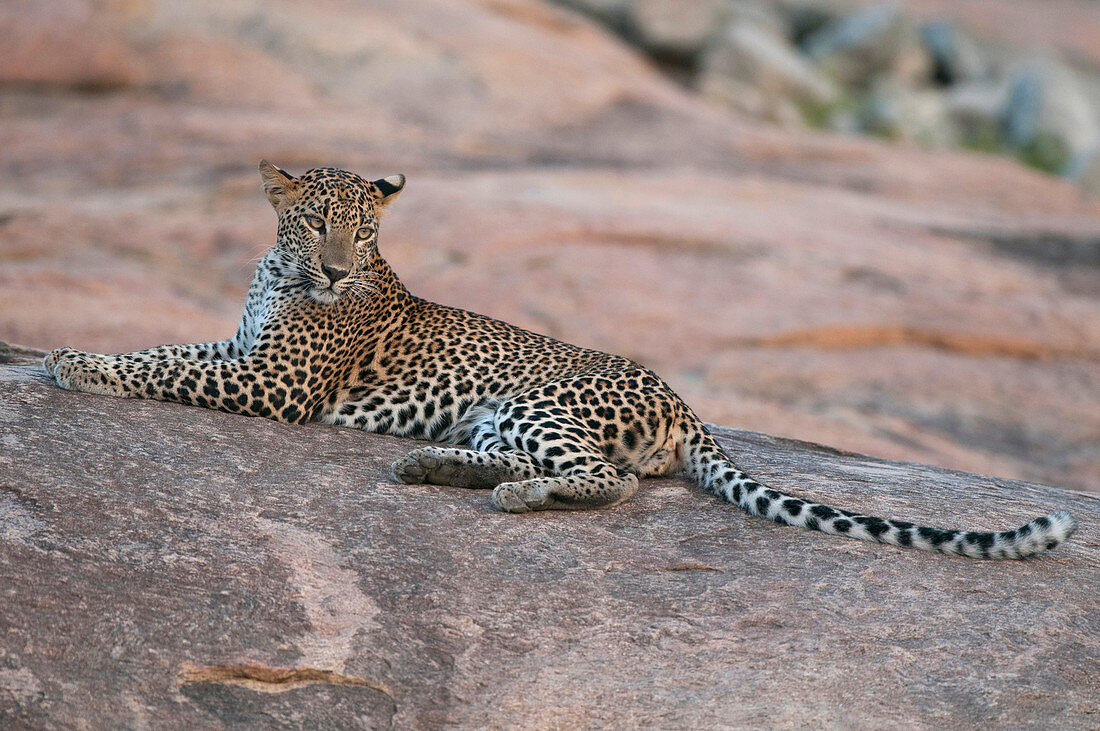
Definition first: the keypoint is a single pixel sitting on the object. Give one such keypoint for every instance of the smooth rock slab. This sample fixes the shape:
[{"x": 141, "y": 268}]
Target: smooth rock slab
[{"x": 163, "y": 566}]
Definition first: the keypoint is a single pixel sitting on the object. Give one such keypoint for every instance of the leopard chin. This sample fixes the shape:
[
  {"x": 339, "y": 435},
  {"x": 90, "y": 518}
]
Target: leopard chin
[{"x": 325, "y": 296}]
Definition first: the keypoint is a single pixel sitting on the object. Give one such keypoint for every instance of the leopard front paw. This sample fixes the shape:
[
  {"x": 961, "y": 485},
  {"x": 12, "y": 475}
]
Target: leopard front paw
[
  {"x": 443, "y": 466},
  {"x": 54, "y": 356},
  {"x": 75, "y": 370}
]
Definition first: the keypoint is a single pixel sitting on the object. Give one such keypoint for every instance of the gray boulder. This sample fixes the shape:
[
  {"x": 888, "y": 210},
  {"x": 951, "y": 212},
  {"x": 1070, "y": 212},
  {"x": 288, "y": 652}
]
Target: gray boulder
[
  {"x": 611, "y": 12},
  {"x": 956, "y": 59},
  {"x": 921, "y": 116},
  {"x": 1087, "y": 174},
  {"x": 752, "y": 68},
  {"x": 977, "y": 109},
  {"x": 675, "y": 29},
  {"x": 173, "y": 567},
  {"x": 1048, "y": 116},
  {"x": 871, "y": 41}
]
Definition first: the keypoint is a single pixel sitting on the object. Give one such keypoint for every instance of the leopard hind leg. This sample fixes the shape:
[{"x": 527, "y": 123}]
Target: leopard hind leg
[
  {"x": 581, "y": 476},
  {"x": 598, "y": 486}
]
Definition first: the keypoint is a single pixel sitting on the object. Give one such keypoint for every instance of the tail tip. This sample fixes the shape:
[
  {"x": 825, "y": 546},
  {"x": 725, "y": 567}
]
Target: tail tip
[
  {"x": 1062, "y": 525},
  {"x": 1043, "y": 534}
]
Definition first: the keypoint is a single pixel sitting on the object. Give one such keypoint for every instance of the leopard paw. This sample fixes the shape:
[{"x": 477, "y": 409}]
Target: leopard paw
[
  {"x": 445, "y": 466},
  {"x": 54, "y": 356},
  {"x": 524, "y": 496},
  {"x": 413, "y": 468},
  {"x": 78, "y": 371}
]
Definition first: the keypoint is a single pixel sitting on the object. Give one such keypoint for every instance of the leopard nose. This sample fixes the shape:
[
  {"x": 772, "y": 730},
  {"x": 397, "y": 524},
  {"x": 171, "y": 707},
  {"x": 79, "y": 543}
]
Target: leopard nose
[{"x": 334, "y": 274}]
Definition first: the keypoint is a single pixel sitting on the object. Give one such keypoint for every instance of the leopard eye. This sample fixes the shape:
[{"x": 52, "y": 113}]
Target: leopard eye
[
  {"x": 363, "y": 233},
  {"x": 316, "y": 223}
]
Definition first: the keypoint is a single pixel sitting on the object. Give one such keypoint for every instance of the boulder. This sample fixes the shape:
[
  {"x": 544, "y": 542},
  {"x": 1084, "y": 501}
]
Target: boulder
[
  {"x": 977, "y": 109},
  {"x": 753, "y": 69},
  {"x": 673, "y": 29},
  {"x": 956, "y": 59},
  {"x": 1072, "y": 27},
  {"x": 613, "y": 13},
  {"x": 868, "y": 42},
  {"x": 169, "y": 566},
  {"x": 897, "y": 111},
  {"x": 807, "y": 17},
  {"x": 1088, "y": 174},
  {"x": 1048, "y": 117}
]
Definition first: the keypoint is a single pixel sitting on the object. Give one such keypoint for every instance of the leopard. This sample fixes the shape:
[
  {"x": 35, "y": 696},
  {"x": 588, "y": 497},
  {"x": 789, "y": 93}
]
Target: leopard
[{"x": 330, "y": 334}]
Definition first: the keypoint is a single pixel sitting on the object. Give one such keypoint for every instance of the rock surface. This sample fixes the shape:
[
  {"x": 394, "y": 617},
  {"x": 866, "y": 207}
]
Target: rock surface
[
  {"x": 167, "y": 566},
  {"x": 930, "y": 307}
]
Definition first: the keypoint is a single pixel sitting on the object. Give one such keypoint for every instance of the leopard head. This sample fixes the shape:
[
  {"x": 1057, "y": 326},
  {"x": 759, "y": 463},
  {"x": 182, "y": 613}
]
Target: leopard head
[{"x": 328, "y": 227}]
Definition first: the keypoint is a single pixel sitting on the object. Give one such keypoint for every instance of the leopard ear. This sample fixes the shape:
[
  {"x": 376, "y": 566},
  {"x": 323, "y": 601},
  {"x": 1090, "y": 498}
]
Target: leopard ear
[
  {"x": 280, "y": 186},
  {"x": 389, "y": 187}
]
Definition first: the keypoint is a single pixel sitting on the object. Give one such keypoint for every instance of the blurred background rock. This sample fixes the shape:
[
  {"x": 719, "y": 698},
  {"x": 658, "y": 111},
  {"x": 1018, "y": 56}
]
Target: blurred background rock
[
  {"x": 1017, "y": 78},
  {"x": 870, "y": 225}
]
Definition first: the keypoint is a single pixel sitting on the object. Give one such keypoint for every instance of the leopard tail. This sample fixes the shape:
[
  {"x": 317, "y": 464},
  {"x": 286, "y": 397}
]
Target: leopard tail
[{"x": 715, "y": 471}]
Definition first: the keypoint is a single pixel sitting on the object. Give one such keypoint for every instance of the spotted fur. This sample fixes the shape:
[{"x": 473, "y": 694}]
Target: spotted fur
[{"x": 330, "y": 334}]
